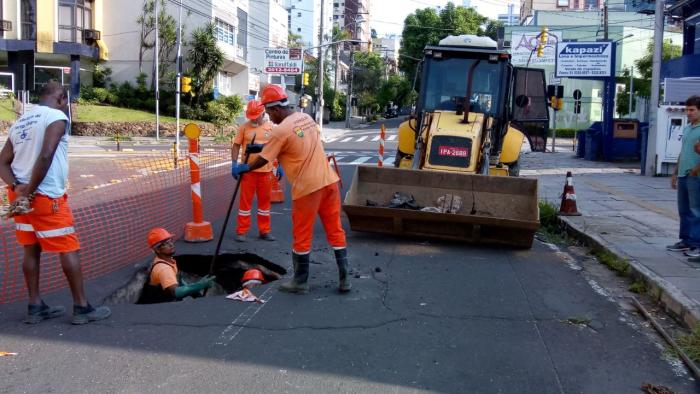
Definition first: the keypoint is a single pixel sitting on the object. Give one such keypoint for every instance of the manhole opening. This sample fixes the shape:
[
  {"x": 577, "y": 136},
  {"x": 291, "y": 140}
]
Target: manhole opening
[{"x": 229, "y": 270}]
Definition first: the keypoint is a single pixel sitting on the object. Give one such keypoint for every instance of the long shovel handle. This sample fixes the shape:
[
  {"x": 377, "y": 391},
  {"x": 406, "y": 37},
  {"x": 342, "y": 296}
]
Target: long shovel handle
[{"x": 228, "y": 215}]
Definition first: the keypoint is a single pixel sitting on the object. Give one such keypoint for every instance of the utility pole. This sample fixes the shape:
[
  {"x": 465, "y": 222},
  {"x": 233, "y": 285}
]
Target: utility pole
[
  {"x": 605, "y": 20},
  {"x": 179, "y": 77},
  {"x": 348, "y": 97},
  {"x": 157, "y": 76},
  {"x": 650, "y": 162},
  {"x": 629, "y": 111},
  {"x": 319, "y": 101}
]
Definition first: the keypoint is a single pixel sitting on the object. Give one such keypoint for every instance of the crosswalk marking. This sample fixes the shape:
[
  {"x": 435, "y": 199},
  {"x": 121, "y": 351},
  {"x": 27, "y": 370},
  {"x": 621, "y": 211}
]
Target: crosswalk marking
[
  {"x": 331, "y": 140},
  {"x": 361, "y": 160},
  {"x": 347, "y": 139},
  {"x": 375, "y": 138},
  {"x": 362, "y": 138},
  {"x": 391, "y": 137}
]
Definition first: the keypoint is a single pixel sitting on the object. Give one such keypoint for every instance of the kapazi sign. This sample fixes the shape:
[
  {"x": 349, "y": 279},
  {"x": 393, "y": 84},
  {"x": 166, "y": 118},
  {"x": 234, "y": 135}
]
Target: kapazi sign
[{"x": 583, "y": 59}]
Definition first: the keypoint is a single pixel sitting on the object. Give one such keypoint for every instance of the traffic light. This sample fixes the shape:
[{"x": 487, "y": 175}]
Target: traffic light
[
  {"x": 305, "y": 80},
  {"x": 185, "y": 84},
  {"x": 544, "y": 37}
]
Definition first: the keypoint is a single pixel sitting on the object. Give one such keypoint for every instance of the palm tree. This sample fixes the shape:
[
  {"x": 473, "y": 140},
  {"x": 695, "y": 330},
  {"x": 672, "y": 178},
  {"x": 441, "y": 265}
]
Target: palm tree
[{"x": 205, "y": 57}]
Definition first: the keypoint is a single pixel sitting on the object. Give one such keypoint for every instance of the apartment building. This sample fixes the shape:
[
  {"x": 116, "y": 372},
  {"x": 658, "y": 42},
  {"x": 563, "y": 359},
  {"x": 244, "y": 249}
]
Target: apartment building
[
  {"x": 231, "y": 19},
  {"x": 304, "y": 19},
  {"x": 43, "y": 40},
  {"x": 353, "y": 16},
  {"x": 268, "y": 29}
]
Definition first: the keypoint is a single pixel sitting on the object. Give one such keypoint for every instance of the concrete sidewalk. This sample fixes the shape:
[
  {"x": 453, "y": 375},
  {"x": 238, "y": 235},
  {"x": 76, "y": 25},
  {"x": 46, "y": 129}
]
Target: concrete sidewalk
[{"x": 632, "y": 216}]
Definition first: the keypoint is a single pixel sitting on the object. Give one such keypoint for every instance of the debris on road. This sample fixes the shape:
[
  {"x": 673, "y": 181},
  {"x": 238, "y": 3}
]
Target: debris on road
[
  {"x": 6, "y": 354},
  {"x": 651, "y": 388},
  {"x": 245, "y": 295}
]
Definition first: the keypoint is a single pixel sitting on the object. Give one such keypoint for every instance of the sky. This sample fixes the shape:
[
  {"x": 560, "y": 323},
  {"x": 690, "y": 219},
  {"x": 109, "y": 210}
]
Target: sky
[{"x": 388, "y": 15}]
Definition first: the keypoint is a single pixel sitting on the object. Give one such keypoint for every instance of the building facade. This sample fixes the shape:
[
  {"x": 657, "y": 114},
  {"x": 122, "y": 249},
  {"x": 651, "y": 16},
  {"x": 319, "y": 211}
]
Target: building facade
[
  {"x": 528, "y": 7},
  {"x": 511, "y": 18},
  {"x": 231, "y": 20},
  {"x": 43, "y": 40},
  {"x": 353, "y": 16},
  {"x": 304, "y": 19},
  {"x": 268, "y": 29}
]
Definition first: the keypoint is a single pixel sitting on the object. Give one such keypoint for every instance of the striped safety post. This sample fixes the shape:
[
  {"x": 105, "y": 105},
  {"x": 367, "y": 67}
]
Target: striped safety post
[
  {"x": 382, "y": 137},
  {"x": 197, "y": 230}
]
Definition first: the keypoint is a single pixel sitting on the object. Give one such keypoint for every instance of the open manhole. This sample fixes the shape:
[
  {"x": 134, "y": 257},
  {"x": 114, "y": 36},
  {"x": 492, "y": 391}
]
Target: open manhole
[{"x": 229, "y": 270}]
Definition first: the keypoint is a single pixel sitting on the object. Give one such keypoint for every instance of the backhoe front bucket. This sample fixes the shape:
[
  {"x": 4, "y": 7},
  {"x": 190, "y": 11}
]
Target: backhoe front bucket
[{"x": 495, "y": 210}]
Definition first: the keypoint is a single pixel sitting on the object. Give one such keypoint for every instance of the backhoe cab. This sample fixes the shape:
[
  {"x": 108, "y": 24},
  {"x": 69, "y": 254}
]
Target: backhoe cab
[{"x": 474, "y": 110}]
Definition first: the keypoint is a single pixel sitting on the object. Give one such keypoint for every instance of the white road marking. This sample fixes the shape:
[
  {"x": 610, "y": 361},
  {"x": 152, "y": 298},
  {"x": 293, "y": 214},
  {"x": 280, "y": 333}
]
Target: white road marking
[
  {"x": 361, "y": 160},
  {"x": 347, "y": 139},
  {"x": 362, "y": 139},
  {"x": 391, "y": 137},
  {"x": 232, "y": 331},
  {"x": 375, "y": 138}
]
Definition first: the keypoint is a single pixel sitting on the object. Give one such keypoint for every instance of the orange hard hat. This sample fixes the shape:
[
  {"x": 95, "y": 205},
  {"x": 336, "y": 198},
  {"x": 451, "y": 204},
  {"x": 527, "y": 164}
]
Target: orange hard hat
[
  {"x": 157, "y": 235},
  {"x": 254, "y": 109},
  {"x": 252, "y": 274},
  {"x": 273, "y": 94}
]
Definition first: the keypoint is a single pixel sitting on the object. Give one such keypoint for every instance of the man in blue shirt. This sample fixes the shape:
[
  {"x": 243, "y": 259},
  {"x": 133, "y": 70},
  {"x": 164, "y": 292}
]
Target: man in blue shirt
[{"x": 686, "y": 178}]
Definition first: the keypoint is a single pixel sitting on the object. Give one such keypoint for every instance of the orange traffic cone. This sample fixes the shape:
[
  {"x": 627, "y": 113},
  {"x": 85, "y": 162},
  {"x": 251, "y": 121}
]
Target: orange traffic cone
[
  {"x": 277, "y": 194},
  {"x": 568, "y": 198}
]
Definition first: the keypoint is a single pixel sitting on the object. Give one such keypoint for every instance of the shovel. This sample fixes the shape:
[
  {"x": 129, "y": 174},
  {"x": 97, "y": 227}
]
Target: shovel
[{"x": 254, "y": 149}]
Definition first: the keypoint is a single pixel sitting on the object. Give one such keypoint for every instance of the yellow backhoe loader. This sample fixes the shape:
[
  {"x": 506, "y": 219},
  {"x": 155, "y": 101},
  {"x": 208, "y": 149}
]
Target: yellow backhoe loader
[{"x": 462, "y": 144}]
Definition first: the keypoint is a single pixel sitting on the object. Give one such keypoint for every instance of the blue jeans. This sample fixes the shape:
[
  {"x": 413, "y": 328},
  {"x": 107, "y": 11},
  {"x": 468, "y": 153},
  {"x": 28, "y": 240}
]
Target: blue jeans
[{"x": 689, "y": 210}]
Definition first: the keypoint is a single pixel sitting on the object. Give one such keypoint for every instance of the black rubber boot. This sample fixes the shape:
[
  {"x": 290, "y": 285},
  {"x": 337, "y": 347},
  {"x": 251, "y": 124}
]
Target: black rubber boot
[
  {"x": 299, "y": 283},
  {"x": 341, "y": 258}
]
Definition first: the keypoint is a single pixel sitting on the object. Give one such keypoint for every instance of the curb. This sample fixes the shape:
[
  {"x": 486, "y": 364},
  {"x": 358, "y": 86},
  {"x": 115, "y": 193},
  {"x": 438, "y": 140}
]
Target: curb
[{"x": 673, "y": 300}]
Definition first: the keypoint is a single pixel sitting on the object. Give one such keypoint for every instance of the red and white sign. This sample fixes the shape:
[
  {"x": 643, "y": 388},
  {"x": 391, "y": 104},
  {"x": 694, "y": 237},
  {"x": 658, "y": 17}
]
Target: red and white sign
[
  {"x": 454, "y": 151},
  {"x": 283, "y": 61}
]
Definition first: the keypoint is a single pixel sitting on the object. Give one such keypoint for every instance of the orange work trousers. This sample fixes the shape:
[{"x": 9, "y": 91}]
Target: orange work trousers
[
  {"x": 325, "y": 203},
  {"x": 260, "y": 184}
]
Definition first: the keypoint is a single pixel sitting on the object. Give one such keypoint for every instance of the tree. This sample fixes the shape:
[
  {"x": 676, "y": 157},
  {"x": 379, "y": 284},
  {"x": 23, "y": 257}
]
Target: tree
[
  {"x": 294, "y": 40},
  {"x": 644, "y": 66},
  {"x": 206, "y": 59},
  {"x": 491, "y": 30},
  {"x": 167, "y": 33},
  {"x": 337, "y": 35},
  {"x": 396, "y": 89},
  {"x": 427, "y": 27},
  {"x": 367, "y": 76}
]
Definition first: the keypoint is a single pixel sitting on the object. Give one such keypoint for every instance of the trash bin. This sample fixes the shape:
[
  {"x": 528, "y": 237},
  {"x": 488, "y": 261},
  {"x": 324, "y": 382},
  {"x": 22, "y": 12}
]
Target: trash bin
[
  {"x": 625, "y": 142},
  {"x": 581, "y": 143},
  {"x": 593, "y": 144}
]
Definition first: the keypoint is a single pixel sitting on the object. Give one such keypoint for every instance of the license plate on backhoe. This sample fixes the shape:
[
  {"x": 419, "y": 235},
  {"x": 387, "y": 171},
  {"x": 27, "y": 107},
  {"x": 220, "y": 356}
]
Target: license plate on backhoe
[{"x": 453, "y": 151}]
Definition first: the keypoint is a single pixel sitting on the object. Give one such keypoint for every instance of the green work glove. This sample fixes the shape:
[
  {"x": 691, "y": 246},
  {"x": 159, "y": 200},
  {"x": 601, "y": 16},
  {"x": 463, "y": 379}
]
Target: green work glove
[{"x": 186, "y": 290}]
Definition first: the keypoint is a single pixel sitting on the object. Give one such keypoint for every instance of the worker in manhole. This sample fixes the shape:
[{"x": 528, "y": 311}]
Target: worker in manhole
[
  {"x": 163, "y": 283},
  {"x": 34, "y": 165},
  {"x": 296, "y": 143},
  {"x": 257, "y": 182}
]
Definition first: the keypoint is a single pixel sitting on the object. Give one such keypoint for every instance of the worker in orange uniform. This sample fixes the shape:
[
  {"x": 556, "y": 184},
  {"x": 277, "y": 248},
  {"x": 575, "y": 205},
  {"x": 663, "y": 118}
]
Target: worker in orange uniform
[
  {"x": 257, "y": 182},
  {"x": 164, "y": 283},
  {"x": 296, "y": 143}
]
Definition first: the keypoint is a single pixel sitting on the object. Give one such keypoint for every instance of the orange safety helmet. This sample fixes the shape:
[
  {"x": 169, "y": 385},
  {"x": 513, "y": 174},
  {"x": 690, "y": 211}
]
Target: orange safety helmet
[
  {"x": 273, "y": 94},
  {"x": 157, "y": 235},
  {"x": 253, "y": 274},
  {"x": 254, "y": 109}
]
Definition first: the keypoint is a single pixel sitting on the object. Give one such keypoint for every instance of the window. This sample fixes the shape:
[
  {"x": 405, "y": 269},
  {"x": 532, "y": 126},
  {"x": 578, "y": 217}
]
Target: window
[
  {"x": 299, "y": 14},
  {"x": 28, "y": 19},
  {"x": 74, "y": 16},
  {"x": 299, "y": 29},
  {"x": 225, "y": 32},
  {"x": 242, "y": 50}
]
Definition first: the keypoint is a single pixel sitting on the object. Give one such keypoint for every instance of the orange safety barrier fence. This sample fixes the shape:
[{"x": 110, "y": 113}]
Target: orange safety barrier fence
[{"x": 116, "y": 198}]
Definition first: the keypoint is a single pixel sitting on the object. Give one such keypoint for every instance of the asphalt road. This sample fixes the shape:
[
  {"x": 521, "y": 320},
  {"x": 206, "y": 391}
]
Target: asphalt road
[{"x": 423, "y": 316}]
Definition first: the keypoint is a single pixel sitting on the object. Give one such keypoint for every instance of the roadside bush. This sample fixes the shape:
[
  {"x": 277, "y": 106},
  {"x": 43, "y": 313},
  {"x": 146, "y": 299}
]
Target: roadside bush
[
  {"x": 234, "y": 104},
  {"x": 189, "y": 112},
  {"x": 219, "y": 114},
  {"x": 564, "y": 133}
]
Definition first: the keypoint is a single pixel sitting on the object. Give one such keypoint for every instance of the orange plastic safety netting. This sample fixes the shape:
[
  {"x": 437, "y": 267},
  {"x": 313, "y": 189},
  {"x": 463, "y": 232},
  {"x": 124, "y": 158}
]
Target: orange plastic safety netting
[{"x": 116, "y": 198}]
